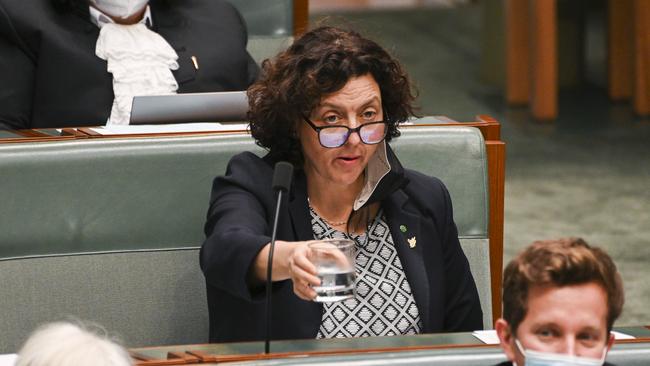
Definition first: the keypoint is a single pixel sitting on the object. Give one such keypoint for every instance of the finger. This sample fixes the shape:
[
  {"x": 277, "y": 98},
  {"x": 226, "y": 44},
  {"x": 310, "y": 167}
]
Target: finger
[
  {"x": 302, "y": 260},
  {"x": 304, "y": 292},
  {"x": 341, "y": 259},
  {"x": 301, "y": 276}
]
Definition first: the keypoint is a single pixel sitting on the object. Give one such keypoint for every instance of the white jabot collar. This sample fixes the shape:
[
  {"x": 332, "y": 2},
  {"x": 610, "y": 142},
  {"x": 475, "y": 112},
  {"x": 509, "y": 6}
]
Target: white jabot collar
[{"x": 140, "y": 60}]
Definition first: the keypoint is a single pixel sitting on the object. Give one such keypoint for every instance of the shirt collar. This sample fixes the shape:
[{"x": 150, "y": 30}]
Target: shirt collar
[{"x": 100, "y": 19}]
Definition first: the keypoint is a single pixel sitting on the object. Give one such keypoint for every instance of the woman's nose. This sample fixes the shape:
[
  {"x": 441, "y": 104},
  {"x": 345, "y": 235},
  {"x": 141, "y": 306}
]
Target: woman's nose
[{"x": 354, "y": 137}]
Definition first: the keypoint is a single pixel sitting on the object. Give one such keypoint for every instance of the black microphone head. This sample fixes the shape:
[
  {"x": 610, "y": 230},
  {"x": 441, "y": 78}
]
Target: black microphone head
[{"x": 282, "y": 176}]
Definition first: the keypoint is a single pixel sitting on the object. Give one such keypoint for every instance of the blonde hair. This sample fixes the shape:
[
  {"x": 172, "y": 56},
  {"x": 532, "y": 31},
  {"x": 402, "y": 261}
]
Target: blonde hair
[{"x": 68, "y": 344}]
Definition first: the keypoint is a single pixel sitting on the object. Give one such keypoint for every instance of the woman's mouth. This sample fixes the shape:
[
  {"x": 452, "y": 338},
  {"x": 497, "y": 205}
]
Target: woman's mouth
[{"x": 348, "y": 159}]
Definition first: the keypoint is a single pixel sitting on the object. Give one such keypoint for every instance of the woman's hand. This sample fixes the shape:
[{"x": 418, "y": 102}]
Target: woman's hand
[
  {"x": 302, "y": 271},
  {"x": 290, "y": 261}
]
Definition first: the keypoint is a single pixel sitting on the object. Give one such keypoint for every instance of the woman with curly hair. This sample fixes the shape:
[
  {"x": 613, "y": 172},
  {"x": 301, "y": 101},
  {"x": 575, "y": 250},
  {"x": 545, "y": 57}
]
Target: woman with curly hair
[{"x": 330, "y": 104}]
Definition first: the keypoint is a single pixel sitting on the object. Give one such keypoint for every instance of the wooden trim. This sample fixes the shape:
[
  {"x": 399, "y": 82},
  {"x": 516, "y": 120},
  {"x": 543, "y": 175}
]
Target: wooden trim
[
  {"x": 517, "y": 52},
  {"x": 33, "y": 136},
  {"x": 496, "y": 154},
  {"x": 544, "y": 62},
  {"x": 88, "y": 132},
  {"x": 205, "y": 357},
  {"x": 620, "y": 49},
  {"x": 641, "y": 57},
  {"x": 489, "y": 126},
  {"x": 300, "y": 17}
]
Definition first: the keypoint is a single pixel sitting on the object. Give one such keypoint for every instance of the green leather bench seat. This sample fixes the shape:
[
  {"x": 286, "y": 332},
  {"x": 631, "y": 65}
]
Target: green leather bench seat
[
  {"x": 266, "y": 17},
  {"x": 109, "y": 194},
  {"x": 263, "y": 47},
  {"x": 108, "y": 230},
  {"x": 146, "y": 297},
  {"x": 150, "y": 193}
]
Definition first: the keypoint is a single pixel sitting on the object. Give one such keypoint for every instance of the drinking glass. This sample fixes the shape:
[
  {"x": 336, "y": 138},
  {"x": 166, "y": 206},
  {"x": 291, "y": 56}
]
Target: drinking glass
[{"x": 334, "y": 261}]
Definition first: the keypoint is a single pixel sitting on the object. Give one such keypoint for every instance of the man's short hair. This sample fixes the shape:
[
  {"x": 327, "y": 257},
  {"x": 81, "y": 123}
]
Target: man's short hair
[
  {"x": 560, "y": 262},
  {"x": 67, "y": 344}
]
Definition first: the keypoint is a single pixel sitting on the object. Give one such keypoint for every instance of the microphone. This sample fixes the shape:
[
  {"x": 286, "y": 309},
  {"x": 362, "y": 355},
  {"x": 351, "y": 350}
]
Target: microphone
[{"x": 282, "y": 176}]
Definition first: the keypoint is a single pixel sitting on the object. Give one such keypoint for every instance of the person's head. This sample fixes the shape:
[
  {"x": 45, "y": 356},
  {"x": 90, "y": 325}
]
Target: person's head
[
  {"x": 328, "y": 77},
  {"x": 561, "y": 297},
  {"x": 67, "y": 344}
]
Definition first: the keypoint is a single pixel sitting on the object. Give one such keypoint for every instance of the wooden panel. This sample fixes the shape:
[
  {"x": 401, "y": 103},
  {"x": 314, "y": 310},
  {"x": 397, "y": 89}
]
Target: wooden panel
[
  {"x": 489, "y": 126},
  {"x": 544, "y": 59},
  {"x": 620, "y": 43},
  {"x": 300, "y": 17},
  {"x": 641, "y": 57},
  {"x": 517, "y": 52},
  {"x": 496, "y": 154}
]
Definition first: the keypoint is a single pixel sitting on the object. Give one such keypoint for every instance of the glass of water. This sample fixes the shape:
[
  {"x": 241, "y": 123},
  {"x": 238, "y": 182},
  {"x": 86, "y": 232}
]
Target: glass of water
[{"x": 334, "y": 261}]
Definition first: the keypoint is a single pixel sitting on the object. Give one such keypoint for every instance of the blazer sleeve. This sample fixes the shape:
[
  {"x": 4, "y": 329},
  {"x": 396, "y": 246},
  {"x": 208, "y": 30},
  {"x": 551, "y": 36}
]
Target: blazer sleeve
[
  {"x": 237, "y": 227},
  {"x": 16, "y": 75},
  {"x": 463, "y": 307}
]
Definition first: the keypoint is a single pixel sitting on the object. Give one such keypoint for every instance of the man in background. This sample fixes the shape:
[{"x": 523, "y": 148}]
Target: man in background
[{"x": 560, "y": 300}]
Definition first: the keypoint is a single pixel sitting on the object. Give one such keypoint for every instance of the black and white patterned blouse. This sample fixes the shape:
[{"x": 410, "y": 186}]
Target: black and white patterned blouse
[{"x": 384, "y": 304}]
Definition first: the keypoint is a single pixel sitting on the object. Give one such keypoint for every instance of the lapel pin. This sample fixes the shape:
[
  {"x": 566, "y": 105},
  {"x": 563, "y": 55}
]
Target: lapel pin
[
  {"x": 195, "y": 61},
  {"x": 412, "y": 241},
  {"x": 402, "y": 228}
]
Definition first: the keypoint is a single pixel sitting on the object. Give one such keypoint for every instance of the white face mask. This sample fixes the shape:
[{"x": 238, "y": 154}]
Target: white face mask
[
  {"x": 119, "y": 8},
  {"x": 536, "y": 358}
]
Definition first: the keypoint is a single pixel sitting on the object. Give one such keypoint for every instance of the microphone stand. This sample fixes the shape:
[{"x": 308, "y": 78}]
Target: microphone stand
[
  {"x": 269, "y": 273},
  {"x": 282, "y": 175}
]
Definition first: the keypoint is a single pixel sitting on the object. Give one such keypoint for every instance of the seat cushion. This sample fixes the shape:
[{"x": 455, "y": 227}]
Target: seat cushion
[{"x": 146, "y": 298}]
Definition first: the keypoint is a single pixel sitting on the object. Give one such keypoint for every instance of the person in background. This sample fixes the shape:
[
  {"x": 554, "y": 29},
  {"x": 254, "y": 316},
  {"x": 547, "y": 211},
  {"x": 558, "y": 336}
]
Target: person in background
[
  {"x": 67, "y": 344},
  {"x": 330, "y": 104},
  {"x": 80, "y": 62},
  {"x": 560, "y": 300}
]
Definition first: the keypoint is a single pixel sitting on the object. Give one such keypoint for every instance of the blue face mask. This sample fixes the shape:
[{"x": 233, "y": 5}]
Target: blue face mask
[{"x": 536, "y": 358}]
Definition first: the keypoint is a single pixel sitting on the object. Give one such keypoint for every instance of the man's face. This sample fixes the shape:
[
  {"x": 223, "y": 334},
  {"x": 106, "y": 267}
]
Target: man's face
[{"x": 570, "y": 320}]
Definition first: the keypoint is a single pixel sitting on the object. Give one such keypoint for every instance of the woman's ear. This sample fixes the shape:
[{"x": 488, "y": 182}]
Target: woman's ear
[{"x": 506, "y": 338}]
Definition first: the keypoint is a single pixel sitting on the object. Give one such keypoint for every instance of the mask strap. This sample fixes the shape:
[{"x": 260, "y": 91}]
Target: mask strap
[
  {"x": 521, "y": 350},
  {"x": 604, "y": 355},
  {"x": 520, "y": 347}
]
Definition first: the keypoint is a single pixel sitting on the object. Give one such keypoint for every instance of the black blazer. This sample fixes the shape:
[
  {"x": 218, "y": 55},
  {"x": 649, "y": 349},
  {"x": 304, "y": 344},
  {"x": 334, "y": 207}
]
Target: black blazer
[
  {"x": 239, "y": 225},
  {"x": 51, "y": 77}
]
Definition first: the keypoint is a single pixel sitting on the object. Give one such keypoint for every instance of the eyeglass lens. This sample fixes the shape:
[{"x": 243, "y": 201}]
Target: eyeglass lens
[{"x": 371, "y": 133}]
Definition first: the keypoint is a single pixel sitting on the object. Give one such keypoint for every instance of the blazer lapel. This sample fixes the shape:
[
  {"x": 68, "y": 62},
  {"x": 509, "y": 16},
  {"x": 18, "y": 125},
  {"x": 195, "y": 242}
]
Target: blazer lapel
[
  {"x": 404, "y": 224},
  {"x": 172, "y": 27}
]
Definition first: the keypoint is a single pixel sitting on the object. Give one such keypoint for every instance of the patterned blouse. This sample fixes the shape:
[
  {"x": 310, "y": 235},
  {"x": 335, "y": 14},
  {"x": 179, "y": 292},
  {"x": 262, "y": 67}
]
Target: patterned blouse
[{"x": 383, "y": 304}]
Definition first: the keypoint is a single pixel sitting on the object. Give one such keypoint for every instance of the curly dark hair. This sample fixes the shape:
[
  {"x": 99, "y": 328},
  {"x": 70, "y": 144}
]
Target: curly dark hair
[{"x": 318, "y": 63}]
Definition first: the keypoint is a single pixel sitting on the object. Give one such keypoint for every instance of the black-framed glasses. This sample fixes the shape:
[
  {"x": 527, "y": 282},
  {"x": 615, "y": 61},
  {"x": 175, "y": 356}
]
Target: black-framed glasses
[{"x": 335, "y": 136}]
